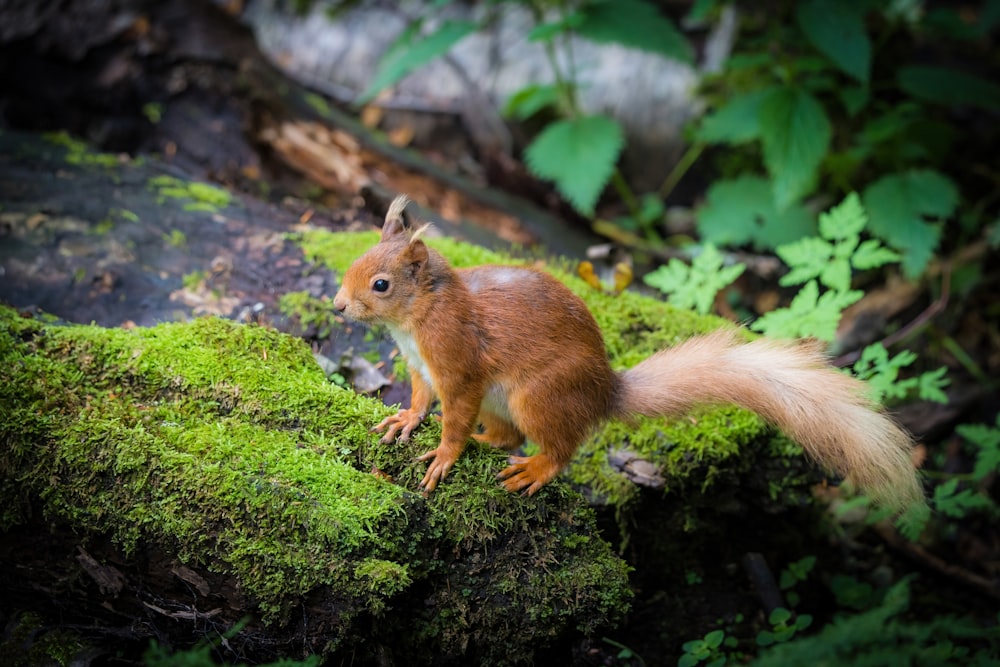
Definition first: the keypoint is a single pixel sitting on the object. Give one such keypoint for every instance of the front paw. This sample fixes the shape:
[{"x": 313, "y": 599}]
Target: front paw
[
  {"x": 403, "y": 423},
  {"x": 441, "y": 461},
  {"x": 528, "y": 473}
]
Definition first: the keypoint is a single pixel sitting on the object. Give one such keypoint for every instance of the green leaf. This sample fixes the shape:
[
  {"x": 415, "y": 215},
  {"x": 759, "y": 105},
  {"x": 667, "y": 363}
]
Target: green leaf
[
  {"x": 871, "y": 254},
  {"x": 635, "y": 24},
  {"x": 987, "y": 439},
  {"x": 687, "y": 660},
  {"x": 837, "y": 29},
  {"x": 930, "y": 385},
  {"x": 795, "y": 134},
  {"x": 807, "y": 257},
  {"x": 854, "y": 98},
  {"x": 546, "y": 31},
  {"x": 531, "y": 99},
  {"x": 954, "y": 503},
  {"x": 836, "y": 275},
  {"x": 411, "y": 52},
  {"x": 735, "y": 122},
  {"x": 579, "y": 155},
  {"x": 846, "y": 220},
  {"x": 850, "y": 592},
  {"x": 779, "y": 615},
  {"x": 831, "y": 263},
  {"x": 882, "y": 373},
  {"x": 714, "y": 638},
  {"x": 741, "y": 211},
  {"x": 897, "y": 205},
  {"x": 950, "y": 87}
]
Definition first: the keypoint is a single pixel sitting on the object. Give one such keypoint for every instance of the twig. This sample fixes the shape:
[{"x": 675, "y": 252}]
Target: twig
[
  {"x": 920, "y": 320},
  {"x": 988, "y": 587}
]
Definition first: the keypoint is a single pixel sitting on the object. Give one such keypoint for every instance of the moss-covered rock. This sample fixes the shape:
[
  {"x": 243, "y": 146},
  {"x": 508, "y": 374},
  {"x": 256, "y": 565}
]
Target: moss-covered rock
[{"x": 219, "y": 454}]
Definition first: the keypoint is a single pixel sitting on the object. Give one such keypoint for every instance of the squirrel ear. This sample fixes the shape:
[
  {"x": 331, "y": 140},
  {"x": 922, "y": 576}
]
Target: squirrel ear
[
  {"x": 415, "y": 257},
  {"x": 394, "y": 223}
]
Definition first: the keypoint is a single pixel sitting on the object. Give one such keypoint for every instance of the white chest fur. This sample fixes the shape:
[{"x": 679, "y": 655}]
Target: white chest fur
[
  {"x": 408, "y": 348},
  {"x": 494, "y": 401}
]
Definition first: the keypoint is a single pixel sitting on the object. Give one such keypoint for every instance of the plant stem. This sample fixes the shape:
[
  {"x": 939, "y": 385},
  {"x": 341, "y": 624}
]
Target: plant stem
[
  {"x": 625, "y": 192},
  {"x": 687, "y": 160}
]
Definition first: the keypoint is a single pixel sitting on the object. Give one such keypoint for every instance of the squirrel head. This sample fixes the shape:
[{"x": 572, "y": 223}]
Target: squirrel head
[{"x": 382, "y": 285}]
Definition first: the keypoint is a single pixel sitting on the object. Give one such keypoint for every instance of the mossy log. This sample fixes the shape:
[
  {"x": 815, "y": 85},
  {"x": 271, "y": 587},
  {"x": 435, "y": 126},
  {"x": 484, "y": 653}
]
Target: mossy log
[
  {"x": 165, "y": 482},
  {"x": 185, "y": 478}
]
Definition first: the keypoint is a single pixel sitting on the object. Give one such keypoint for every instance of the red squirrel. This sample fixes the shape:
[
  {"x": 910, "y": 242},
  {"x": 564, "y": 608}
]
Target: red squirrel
[{"x": 513, "y": 349}]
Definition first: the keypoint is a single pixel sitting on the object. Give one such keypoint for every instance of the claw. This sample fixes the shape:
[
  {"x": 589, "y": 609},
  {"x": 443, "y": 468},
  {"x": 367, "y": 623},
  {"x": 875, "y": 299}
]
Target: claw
[
  {"x": 528, "y": 473},
  {"x": 443, "y": 459},
  {"x": 403, "y": 423}
]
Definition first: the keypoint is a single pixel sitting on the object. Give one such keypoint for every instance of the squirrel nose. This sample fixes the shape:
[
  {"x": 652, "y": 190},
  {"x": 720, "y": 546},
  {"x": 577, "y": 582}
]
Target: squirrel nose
[{"x": 339, "y": 303}]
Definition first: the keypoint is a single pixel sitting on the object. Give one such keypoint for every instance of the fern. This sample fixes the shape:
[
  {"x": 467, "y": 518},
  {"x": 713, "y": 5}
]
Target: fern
[
  {"x": 884, "y": 636},
  {"x": 882, "y": 374},
  {"x": 809, "y": 315},
  {"x": 987, "y": 439},
  {"x": 831, "y": 258},
  {"x": 695, "y": 286}
]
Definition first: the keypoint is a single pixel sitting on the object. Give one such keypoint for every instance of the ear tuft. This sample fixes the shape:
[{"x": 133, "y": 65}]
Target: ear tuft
[{"x": 394, "y": 223}]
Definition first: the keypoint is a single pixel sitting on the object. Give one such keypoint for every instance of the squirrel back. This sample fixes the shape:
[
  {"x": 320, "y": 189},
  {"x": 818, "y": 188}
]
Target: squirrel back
[{"x": 513, "y": 349}]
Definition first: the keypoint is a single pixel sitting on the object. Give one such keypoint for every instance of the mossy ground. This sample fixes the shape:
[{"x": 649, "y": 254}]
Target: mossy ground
[{"x": 225, "y": 445}]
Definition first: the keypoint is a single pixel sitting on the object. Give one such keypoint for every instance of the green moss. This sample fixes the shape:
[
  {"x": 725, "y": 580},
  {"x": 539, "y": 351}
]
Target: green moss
[
  {"x": 200, "y": 196},
  {"x": 225, "y": 445},
  {"x": 176, "y": 238},
  {"x": 28, "y": 643},
  {"x": 310, "y": 311},
  {"x": 192, "y": 280},
  {"x": 690, "y": 450},
  {"x": 318, "y": 104},
  {"x": 78, "y": 153},
  {"x": 204, "y": 447}
]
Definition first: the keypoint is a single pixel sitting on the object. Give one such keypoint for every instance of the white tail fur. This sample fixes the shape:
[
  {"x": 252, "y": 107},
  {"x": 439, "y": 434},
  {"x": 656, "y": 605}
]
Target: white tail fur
[{"x": 792, "y": 387}]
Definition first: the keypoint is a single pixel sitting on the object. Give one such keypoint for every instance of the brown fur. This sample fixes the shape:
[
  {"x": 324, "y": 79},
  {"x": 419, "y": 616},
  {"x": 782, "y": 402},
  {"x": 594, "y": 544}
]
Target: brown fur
[{"x": 513, "y": 349}]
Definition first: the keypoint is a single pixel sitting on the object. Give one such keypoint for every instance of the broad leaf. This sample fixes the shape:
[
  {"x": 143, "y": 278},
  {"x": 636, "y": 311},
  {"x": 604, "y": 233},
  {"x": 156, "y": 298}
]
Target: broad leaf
[
  {"x": 579, "y": 155},
  {"x": 635, "y": 24},
  {"x": 735, "y": 122},
  {"x": 837, "y": 29},
  {"x": 898, "y": 205},
  {"x": 413, "y": 52},
  {"x": 531, "y": 99},
  {"x": 546, "y": 31},
  {"x": 795, "y": 133},
  {"x": 943, "y": 85},
  {"x": 742, "y": 211}
]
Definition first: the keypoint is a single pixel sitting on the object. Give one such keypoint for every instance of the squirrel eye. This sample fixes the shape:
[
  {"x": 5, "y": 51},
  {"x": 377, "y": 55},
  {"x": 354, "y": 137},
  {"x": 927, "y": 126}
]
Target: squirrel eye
[{"x": 380, "y": 285}]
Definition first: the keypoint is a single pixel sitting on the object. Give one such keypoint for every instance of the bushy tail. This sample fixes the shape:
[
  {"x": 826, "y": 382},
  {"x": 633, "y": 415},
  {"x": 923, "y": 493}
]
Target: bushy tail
[{"x": 791, "y": 386}]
